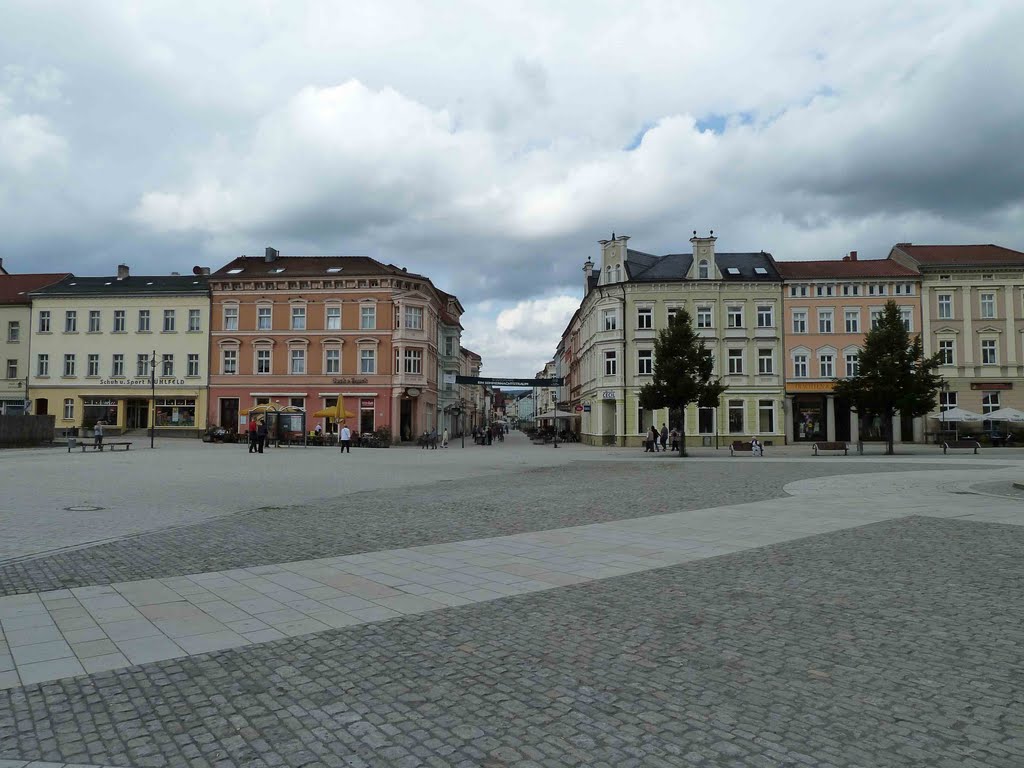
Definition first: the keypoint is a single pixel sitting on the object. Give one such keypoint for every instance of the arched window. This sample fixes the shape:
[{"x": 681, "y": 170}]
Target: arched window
[
  {"x": 618, "y": 274},
  {"x": 703, "y": 270}
]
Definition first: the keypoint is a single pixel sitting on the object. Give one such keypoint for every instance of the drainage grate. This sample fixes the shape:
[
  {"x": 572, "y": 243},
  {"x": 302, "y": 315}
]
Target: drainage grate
[{"x": 82, "y": 508}]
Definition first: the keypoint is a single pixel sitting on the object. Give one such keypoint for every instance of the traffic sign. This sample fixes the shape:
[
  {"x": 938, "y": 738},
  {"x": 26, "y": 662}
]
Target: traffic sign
[{"x": 579, "y": 408}]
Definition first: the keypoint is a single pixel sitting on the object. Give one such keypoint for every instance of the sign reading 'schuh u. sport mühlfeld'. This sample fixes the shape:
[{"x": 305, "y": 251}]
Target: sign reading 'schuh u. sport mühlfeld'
[{"x": 557, "y": 382}]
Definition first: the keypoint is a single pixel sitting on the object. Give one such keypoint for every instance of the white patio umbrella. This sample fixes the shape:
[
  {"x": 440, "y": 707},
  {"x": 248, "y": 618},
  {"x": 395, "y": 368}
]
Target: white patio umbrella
[
  {"x": 957, "y": 415},
  {"x": 1005, "y": 414},
  {"x": 556, "y": 414}
]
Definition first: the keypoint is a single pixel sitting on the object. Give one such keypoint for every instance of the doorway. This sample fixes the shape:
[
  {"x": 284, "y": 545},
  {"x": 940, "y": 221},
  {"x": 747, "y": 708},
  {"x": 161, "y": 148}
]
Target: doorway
[
  {"x": 136, "y": 414},
  {"x": 42, "y": 406},
  {"x": 405, "y": 420},
  {"x": 229, "y": 413}
]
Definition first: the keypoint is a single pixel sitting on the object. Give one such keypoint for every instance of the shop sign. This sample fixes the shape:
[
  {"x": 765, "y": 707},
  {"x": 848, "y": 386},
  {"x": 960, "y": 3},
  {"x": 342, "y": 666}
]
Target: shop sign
[
  {"x": 810, "y": 386},
  {"x": 608, "y": 394},
  {"x": 350, "y": 380},
  {"x": 992, "y": 385},
  {"x": 166, "y": 381},
  {"x": 586, "y": 407},
  {"x": 366, "y": 402}
]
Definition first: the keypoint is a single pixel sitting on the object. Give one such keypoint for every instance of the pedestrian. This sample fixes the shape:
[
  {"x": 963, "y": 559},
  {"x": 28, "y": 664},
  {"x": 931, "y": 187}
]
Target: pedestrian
[
  {"x": 756, "y": 449},
  {"x": 346, "y": 439},
  {"x": 444, "y": 438},
  {"x": 252, "y": 435},
  {"x": 490, "y": 434},
  {"x": 433, "y": 439},
  {"x": 97, "y": 435},
  {"x": 674, "y": 437},
  {"x": 261, "y": 435},
  {"x": 664, "y": 438},
  {"x": 648, "y": 445},
  {"x": 652, "y": 438}
]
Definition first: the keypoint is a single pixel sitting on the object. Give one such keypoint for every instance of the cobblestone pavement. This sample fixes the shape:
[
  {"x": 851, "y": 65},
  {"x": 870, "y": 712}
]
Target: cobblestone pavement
[
  {"x": 512, "y": 502},
  {"x": 892, "y": 644}
]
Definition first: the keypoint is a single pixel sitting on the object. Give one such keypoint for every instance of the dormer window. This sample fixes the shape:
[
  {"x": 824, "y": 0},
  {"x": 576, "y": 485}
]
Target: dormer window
[{"x": 703, "y": 270}]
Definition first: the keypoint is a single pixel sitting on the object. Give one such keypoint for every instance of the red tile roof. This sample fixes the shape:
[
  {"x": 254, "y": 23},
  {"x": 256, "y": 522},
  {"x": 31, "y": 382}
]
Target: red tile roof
[
  {"x": 14, "y": 289},
  {"x": 961, "y": 255},
  {"x": 840, "y": 270}
]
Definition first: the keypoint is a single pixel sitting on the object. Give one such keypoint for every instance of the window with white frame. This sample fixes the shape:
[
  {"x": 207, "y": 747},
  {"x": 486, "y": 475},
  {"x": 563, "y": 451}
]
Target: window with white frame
[
  {"x": 946, "y": 351},
  {"x": 826, "y": 365},
  {"x": 44, "y": 321},
  {"x": 852, "y": 317},
  {"x": 117, "y": 365},
  {"x": 263, "y": 361},
  {"x": 876, "y": 317},
  {"x": 825, "y": 320},
  {"x": 876, "y": 289},
  {"x": 851, "y": 290},
  {"x": 904, "y": 289},
  {"x": 765, "y": 362},
  {"x": 195, "y": 322},
  {"x": 71, "y": 321},
  {"x": 169, "y": 320},
  {"x": 143, "y": 321},
  {"x": 765, "y": 316},
  {"x": 193, "y": 364},
  {"x": 298, "y": 317},
  {"x": 735, "y": 361},
  {"x": 703, "y": 270},
  {"x": 298, "y": 360},
  {"x": 989, "y": 402},
  {"x": 734, "y": 316},
  {"x": 945, "y": 303},
  {"x": 229, "y": 361},
  {"x": 332, "y": 361},
  {"x": 69, "y": 409},
  {"x": 334, "y": 318},
  {"x": 671, "y": 314},
  {"x": 644, "y": 318},
  {"x": 736, "y": 417},
  {"x": 94, "y": 321},
  {"x": 852, "y": 363},
  {"x": 988, "y": 352},
  {"x": 611, "y": 362},
  {"x": 766, "y": 416},
  {"x": 704, "y": 319},
  {"x": 705, "y": 420},
  {"x": 800, "y": 366},
  {"x": 141, "y": 365},
  {"x": 798, "y": 290},
  {"x": 645, "y": 362},
  {"x": 609, "y": 319},
  {"x": 264, "y": 317},
  {"x": 167, "y": 365},
  {"x": 988, "y": 306},
  {"x": 42, "y": 365},
  {"x": 414, "y": 318},
  {"x": 119, "y": 321},
  {"x": 947, "y": 400},
  {"x": 367, "y": 360},
  {"x": 368, "y": 317},
  {"x": 824, "y": 290},
  {"x": 92, "y": 365},
  {"x": 69, "y": 364},
  {"x": 907, "y": 317},
  {"x": 230, "y": 317},
  {"x": 414, "y": 361},
  {"x": 12, "y": 369},
  {"x": 799, "y": 321},
  {"x": 13, "y": 331}
]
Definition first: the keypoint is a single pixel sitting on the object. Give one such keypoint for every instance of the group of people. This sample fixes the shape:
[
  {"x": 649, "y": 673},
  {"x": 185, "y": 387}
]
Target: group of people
[
  {"x": 663, "y": 439},
  {"x": 429, "y": 439},
  {"x": 257, "y": 435},
  {"x": 486, "y": 435}
]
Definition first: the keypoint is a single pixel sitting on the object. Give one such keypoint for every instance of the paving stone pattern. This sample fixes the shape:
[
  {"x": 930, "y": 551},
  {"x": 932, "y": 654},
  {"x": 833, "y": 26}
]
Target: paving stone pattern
[
  {"x": 578, "y": 494},
  {"x": 893, "y": 644}
]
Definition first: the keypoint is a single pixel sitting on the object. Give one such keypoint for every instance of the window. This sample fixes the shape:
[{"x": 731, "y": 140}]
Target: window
[
  {"x": 169, "y": 320},
  {"x": 852, "y": 321},
  {"x": 824, "y": 321},
  {"x": 368, "y": 317},
  {"x": 945, "y": 306},
  {"x": 876, "y": 289},
  {"x": 93, "y": 365},
  {"x": 988, "y": 352},
  {"x": 946, "y": 354},
  {"x": 826, "y": 366},
  {"x": 853, "y": 364},
  {"x": 262, "y": 361},
  {"x": 143, "y": 321},
  {"x": 703, "y": 270},
  {"x": 735, "y": 362},
  {"x": 989, "y": 402},
  {"x": 824, "y": 290},
  {"x": 734, "y": 317},
  {"x": 264, "y": 318},
  {"x": 610, "y": 319},
  {"x": 367, "y": 360},
  {"x": 766, "y": 416},
  {"x": 414, "y": 359},
  {"x": 94, "y": 321},
  {"x": 449, "y": 346},
  {"x": 765, "y": 362},
  {"x": 705, "y": 420},
  {"x": 333, "y": 361},
  {"x": 799, "y": 321},
  {"x": 800, "y": 366},
  {"x": 414, "y": 318},
  {"x": 142, "y": 365},
  {"x": 298, "y": 359},
  {"x": 610, "y": 363},
  {"x": 69, "y": 409},
  {"x": 231, "y": 317},
  {"x": 44, "y": 321},
  {"x": 851, "y": 290},
  {"x": 645, "y": 362},
  {"x": 117, "y": 365},
  {"x": 13, "y": 331},
  {"x": 988, "y": 306},
  {"x": 229, "y": 361},
  {"x": 12, "y": 369},
  {"x": 907, "y": 318},
  {"x": 299, "y": 318},
  {"x": 119, "y": 321},
  {"x": 876, "y": 316},
  {"x": 765, "y": 317},
  {"x": 43, "y": 366},
  {"x": 947, "y": 400},
  {"x": 798, "y": 290},
  {"x": 334, "y": 318},
  {"x": 167, "y": 365},
  {"x": 71, "y": 321},
  {"x": 671, "y": 313},
  {"x": 69, "y": 365},
  {"x": 736, "y": 417},
  {"x": 904, "y": 289},
  {"x": 644, "y": 317},
  {"x": 175, "y": 412},
  {"x": 194, "y": 321},
  {"x": 704, "y": 317}
]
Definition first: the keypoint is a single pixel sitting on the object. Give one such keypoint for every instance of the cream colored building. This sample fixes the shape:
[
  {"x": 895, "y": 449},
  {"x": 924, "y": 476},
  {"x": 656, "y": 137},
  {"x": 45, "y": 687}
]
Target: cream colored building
[
  {"x": 94, "y": 340},
  {"x": 735, "y": 300}
]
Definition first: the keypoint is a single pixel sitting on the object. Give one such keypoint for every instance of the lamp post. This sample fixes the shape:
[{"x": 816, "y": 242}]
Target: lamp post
[
  {"x": 152, "y": 386},
  {"x": 554, "y": 414},
  {"x": 942, "y": 406}
]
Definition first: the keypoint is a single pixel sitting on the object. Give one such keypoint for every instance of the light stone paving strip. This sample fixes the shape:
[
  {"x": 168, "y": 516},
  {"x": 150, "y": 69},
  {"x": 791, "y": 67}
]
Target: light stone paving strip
[
  {"x": 44, "y": 764},
  {"x": 47, "y": 636}
]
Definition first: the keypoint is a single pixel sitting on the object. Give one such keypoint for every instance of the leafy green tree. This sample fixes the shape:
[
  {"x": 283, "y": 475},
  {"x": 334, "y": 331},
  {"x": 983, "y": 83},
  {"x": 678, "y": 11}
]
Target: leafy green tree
[
  {"x": 683, "y": 372},
  {"x": 894, "y": 375}
]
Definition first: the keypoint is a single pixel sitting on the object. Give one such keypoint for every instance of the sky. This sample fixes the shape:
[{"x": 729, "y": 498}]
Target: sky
[{"x": 490, "y": 146}]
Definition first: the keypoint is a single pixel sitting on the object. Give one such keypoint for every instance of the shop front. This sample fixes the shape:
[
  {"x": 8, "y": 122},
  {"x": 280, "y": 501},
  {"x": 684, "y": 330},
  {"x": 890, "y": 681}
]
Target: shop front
[{"x": 172, "y": 412}]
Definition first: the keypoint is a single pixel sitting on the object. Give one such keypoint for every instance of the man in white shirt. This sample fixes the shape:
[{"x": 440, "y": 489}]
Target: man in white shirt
[{"x": 346, "y": 439}]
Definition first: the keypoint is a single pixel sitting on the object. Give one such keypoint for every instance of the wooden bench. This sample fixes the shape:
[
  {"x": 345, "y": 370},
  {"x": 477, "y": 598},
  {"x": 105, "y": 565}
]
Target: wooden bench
[
  {"x": 831, "y": 446},
  {"x": 739, "y": 446},
  {"x": 112, "y": 444},
  {"x": 957, "y": 445}
]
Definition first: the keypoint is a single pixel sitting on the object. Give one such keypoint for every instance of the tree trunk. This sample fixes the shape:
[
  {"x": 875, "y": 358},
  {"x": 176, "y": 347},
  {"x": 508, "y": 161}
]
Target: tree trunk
[
  {"x": 682, "y": 435},
  {"x": 889, "y": 449}
]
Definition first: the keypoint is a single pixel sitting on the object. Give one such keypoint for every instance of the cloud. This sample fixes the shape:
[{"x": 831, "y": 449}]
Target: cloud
[
  {"x": 520, "y": 338},
  {"x": 27, "y": 139}
]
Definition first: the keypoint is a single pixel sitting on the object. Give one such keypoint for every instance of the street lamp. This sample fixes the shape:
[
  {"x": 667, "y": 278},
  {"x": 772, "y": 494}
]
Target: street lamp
[
  {"x": 944, "y": 401},
  {"x": 152, "y": 385}
]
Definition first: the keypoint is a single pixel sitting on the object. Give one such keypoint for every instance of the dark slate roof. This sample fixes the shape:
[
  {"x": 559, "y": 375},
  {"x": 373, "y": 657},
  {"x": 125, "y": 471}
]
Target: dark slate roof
[
  {"x": 15, "y": 289},
  {"x": 675, "y": 266},
  {"x": 839, "y": 270},
  {"x": 135, "y": 285},
  {"x": 307, "y": 266}
]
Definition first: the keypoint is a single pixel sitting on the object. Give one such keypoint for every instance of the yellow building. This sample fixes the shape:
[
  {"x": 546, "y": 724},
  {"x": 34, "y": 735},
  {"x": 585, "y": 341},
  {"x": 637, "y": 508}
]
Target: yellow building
[
  {"x": 735, "y": 300},
  {"x": 95, "y": 341}
]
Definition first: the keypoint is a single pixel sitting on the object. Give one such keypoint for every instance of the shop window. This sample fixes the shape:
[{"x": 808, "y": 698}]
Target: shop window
[
  {"x": 809, "y": 420},
  {"x": 736, "y": 417},
  {"x": 96, "y": 408},
  {"x": 705, "y": 421},
  {"x": 947, "y": 400},
  {"x": 766, "y": 416},
  {"x": 176, "y": 412}
]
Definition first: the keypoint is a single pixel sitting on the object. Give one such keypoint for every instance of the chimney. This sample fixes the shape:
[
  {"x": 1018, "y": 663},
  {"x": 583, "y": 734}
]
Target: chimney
[
  {"x": 122, "y": 271},
  {"x": 271, "y": 255},
  {"x": 197, "y": 270},
  {"x": 2, "y": 270},
  {"x": 588, "y": 270},
  {"x": 853, "y": 255}
]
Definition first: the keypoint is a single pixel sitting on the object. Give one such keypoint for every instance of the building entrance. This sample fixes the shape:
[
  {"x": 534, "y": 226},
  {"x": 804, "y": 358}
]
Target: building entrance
[{"x": 136, "y": 414}]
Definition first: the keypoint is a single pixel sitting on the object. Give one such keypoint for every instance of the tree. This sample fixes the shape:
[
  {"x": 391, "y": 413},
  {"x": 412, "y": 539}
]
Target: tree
[
  {"x": 893, "y": 375},
  {"x": 683, "y": 372}
]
